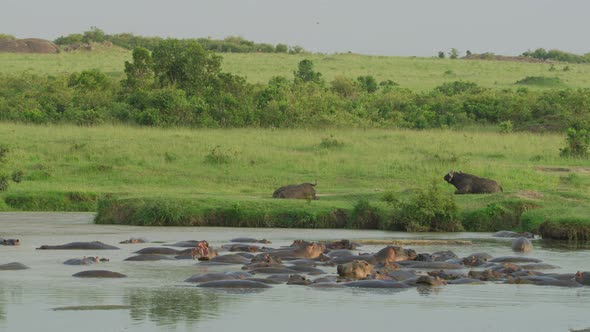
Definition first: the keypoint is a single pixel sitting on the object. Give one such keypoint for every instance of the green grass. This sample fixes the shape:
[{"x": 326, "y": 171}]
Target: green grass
[
  {"x": 163, "y": 175},
  {"x": 415, "y": 73}
]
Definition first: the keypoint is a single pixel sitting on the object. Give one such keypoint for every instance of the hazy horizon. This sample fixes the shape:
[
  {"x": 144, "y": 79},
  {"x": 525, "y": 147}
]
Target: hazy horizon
[{"x": 376, "y": 27}]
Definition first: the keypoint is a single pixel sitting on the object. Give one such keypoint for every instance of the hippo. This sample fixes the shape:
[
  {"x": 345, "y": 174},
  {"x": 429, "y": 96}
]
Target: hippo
[
  {"x": 431, "y": 265},
  {"x": 273, "y": 270},
  {"x": 442, "y": 256},
  {"x": 242, "y": 247},
  {"x": 376, "y": 284},
  {"x": 582, "y": 278},
  {"x": 471, "y": 184},
  {"x": 14, "y": 266},
  {"x": 544, "y": 281},
  {"x": 135, "y": 240},
  {"x": 157, "y": 251},
  {"x": 148, "y": 258},
  {"x": 95, "y": 245},
  {"x": 342, "y": 244},
  {"x": 445, "y": 275},
  {"x": 476, "y": 259},
  {"x": 297, "y": 279},
  {"x": 219, "y": 276},
  {"x": 522, "y": 244},
  {"x": 309, "y": 250},
  {"x": 514, "y": 259},
  {"x": 249, "y": 240},
  {"x": 511, "y": 234},
  {"x": 202, "y": 252},
  {"x": 234, "y": 284},
  {"x": 266, "y": 281},
  {"x": 356, "y": 269},
  {"x": 296, "y": 191},
  {"x": 425, "y": 281},
  {"x": 10, "y": 242},
  {"x": 99, "y": 274},
  {"x": 184, "y": 244},
  {"x": 85, "y": 260},
  {"x": 306, "y": 269},
  {"x": 326, "y": 285},
  {"x": 486, "y": 275},
  {"x": 230, "y": 259},
  {"x": 538, "y": 266}
]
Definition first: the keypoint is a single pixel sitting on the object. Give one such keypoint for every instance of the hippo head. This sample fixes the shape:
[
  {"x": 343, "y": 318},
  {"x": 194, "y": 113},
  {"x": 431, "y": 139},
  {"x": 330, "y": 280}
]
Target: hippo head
[
  {"x": 11, "y": 242},
  {"x": 312, "y": 250},
  {"x": 390, "y": 254},
  {"x": 358, "y": 269},
  {"x": 201, "y": 250}
]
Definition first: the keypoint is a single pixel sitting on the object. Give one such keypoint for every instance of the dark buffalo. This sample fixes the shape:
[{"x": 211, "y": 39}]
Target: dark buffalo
[
  {"x": 296, "y": 191},
  {"x": 471, "y": 184}
]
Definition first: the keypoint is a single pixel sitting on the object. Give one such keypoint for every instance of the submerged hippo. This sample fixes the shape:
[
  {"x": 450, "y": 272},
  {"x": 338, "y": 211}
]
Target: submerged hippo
[
  {"x": 13, "y": 267},
  {"x": 95, "y": 245},
  {"x": 583, "y": 278},
  {"x": 522, "y": 244},
  {"x": 514, "y": 259},
  {"x": 219, "y": 276},
  {"x": 99, "y": 274},
  {"x": 157, "y": 251},
  {"x": 10, "y": 242},
  {"x": 296, "y": 279},
  {"x": 85, "y": 260},
  {"x": 230, "y": 259},
  {"x": 148, "y": 258},
  {"x": 356, "y": 269},
  {"x": 234, "y": 284},
  {"x": 135, "y": 240},
  {"x": 249, "y": 240}
]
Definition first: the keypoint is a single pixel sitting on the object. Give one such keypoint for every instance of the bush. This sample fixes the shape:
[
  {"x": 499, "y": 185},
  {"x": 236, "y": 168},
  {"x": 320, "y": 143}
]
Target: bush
[
  {"x": 506, "y": 127},
  {"x": 3, "y": 153},
  {"x": 542, "y": 81},
  {"x": 219, "y": 156},
  {"x": 368, "y": 83},
  {"x": 17, "y": 176},
  {"x": 331, "y": 142},
  {"x": 428, "y": 210},
  {"x": 578, "y": 142},
  {"x": 3, "y": 182},
  {"x": 364, "y": 216},
  {"x": 305, "y": 72}
]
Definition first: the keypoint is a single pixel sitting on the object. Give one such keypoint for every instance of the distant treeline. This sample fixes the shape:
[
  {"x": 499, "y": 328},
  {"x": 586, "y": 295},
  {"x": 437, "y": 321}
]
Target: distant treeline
[
  {"x": 557, "y": 55},
  {"x": 130, "y": 41},
  {"x": 181, "y": 84}
]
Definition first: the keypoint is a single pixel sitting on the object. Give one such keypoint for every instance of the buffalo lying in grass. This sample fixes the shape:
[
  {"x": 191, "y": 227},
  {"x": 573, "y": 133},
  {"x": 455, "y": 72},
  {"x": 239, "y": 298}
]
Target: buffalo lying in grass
[{"x": 471, "y": 184}]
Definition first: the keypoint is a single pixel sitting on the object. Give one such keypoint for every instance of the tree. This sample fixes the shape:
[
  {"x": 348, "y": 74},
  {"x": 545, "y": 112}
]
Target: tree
[
  {"x": 94, "y": 35},
  {"x": 281, "y": 48},
  {"x": 441, "y": 54},
  {"x": 186, "y": 64},
  {"x": 305, "y": 72},
  {"x": 454, "y": 53},
  {"x": 368, "y": 83},
  {"x": 140, "y": 72},
  {"x": 468, "y": 53}
]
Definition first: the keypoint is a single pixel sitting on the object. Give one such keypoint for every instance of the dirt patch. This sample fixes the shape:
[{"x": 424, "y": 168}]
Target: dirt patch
[
  {"x": 553, "y": 169},
  {"x": 564, "y": 169},
  {"x": 30, "y": 45},
  {"x": 529, "y": 194},
  {"x": 493, "y": 57}
]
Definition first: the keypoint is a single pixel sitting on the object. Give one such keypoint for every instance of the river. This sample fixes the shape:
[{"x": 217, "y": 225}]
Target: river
[{"x": 154, "y": 297}]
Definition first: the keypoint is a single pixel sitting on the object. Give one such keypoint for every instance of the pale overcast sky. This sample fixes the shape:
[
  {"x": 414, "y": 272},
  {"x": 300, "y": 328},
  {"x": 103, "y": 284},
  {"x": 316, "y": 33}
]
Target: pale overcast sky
[{"x": 412, "y": 27}]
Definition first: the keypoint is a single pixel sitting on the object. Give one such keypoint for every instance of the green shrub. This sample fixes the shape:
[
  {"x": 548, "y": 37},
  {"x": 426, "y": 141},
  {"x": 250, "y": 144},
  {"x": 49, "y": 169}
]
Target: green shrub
[
  {"x": 3, "y": 182},
  {"x": 542, "y": 81},
  {"x": 427, "y": 210},
  {"x": 364, "y": 216},
  {"x": 506, "y": 127},
  {"x": 17, "y": 176},
  {"x": 218, "y": 156},
  {"x": 3, "y": 153},
  {"x": 497, "y": 216},
  {"x": 331, "y": 142},
  {"x": 578, "y": 142}
]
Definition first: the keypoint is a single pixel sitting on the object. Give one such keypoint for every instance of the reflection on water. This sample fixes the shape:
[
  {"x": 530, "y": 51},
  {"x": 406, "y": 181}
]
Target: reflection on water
[
  {"x": 168, "y": 306},
  {"x": 154, "y": 297}
]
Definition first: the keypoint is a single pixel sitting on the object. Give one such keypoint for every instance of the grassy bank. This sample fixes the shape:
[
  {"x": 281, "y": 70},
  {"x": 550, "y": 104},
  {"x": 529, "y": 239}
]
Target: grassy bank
[
  {"x": 418, "y": 74},
  {"x": 151, "y": 176}
]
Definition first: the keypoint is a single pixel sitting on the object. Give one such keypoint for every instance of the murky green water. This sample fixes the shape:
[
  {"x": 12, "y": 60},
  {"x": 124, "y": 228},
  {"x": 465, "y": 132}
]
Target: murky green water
[{"x": 154, "y": 298}]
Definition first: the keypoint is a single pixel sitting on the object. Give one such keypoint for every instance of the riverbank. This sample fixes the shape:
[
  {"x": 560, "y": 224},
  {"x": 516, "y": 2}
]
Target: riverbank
[{"x": 148, "y": 176}]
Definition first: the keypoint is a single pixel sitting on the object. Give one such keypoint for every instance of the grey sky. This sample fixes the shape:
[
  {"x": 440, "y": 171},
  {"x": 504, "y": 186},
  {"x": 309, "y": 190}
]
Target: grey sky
[{"x": 419, "y": 27}]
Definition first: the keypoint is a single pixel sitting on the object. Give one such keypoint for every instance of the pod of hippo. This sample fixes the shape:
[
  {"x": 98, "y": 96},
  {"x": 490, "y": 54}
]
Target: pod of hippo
[{"x": 335, "y": 264}]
